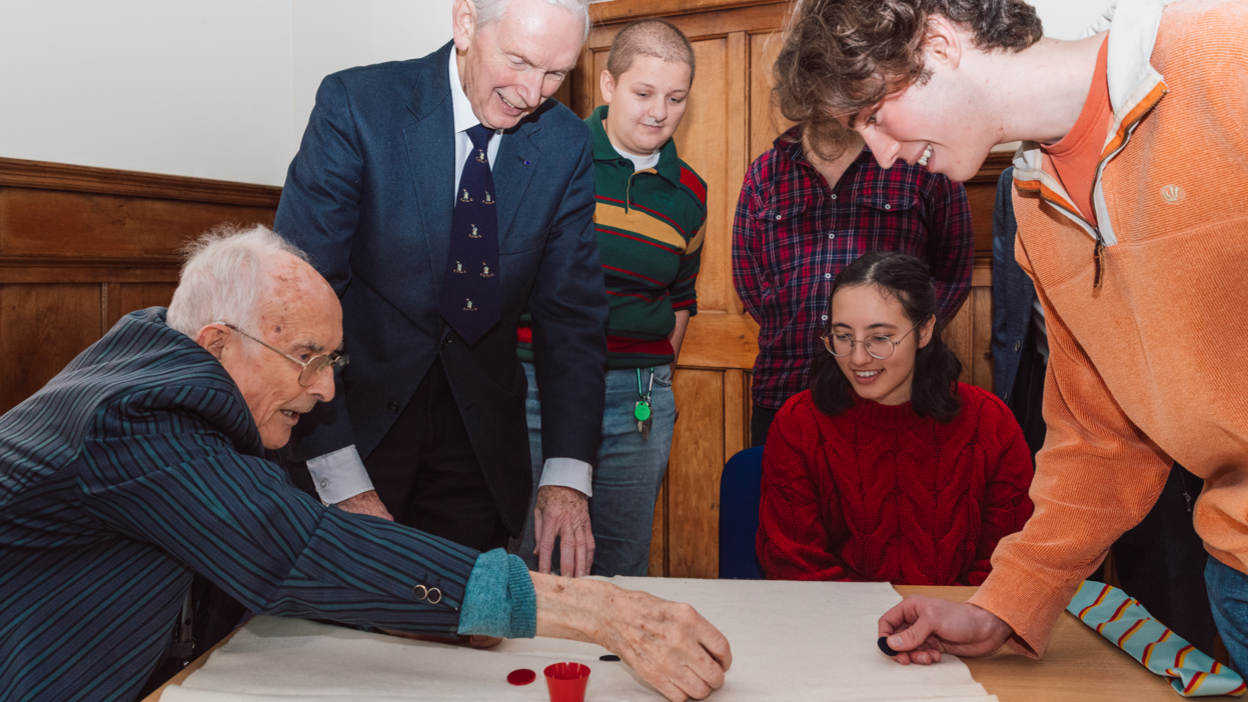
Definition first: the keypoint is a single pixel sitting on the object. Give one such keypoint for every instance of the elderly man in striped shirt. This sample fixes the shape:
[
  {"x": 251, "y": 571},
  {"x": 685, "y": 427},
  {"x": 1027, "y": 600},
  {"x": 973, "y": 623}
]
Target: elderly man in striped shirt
[{"x": 143, "y": 464}]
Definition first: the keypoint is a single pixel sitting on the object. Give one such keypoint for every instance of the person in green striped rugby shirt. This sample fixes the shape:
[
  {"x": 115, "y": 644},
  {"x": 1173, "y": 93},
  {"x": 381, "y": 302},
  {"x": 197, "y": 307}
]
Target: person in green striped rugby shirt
[{"x": 651, "y": 207}]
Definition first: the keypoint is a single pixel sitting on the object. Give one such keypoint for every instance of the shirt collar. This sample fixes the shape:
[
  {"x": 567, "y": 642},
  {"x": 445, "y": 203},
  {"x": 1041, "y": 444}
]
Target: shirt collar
[
  {"x": 461, "y": 107},
  {"x": 669, "y": 163}
]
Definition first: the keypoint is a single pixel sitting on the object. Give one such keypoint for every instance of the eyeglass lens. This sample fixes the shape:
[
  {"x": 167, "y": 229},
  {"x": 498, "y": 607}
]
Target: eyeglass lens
[
  {"x": 878, "y": 347},
  {"x": 311, "y": 371}
]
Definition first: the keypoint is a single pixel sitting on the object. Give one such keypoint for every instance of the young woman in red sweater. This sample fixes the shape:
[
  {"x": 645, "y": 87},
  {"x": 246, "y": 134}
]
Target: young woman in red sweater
[{"x": 888, "y": 469}]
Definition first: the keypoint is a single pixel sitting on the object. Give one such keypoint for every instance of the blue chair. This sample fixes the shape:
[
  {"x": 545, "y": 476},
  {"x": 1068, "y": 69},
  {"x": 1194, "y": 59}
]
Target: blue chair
[{"x": 740, "y": 489}]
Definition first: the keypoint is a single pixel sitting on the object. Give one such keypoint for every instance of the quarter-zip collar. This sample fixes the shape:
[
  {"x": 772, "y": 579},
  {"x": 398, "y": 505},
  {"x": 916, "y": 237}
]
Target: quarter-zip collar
[{"x": 1135, "y": 88}]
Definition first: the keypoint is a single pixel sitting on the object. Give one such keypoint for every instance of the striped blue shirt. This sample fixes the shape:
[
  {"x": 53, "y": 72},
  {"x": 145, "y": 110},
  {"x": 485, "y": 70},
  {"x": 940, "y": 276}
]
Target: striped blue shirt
[{"x": 139, "y": 465}]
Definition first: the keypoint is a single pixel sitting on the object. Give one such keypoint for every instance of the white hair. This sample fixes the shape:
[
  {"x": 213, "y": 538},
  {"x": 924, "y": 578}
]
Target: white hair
[
  {"x": 489, "y": 11},
  {"x": 226, "y": 277}
]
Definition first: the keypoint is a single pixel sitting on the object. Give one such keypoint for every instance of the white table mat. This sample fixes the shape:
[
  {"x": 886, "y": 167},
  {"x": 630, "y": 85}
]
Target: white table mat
[{"x": 790, "y": 641}]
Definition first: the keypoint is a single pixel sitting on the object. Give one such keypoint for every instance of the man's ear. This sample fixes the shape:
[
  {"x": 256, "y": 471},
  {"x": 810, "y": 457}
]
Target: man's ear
[
  {"x": 944, "y": 42},
  {"x": 212, "y": 337},
  {"x": 925, "y": 331},
  {"x": 606, "y": 84},
  {"x": 463, "y": 23}
]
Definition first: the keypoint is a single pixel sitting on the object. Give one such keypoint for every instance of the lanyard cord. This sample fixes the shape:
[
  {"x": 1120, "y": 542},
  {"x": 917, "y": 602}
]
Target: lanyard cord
[{"x": 645, "y": 396}]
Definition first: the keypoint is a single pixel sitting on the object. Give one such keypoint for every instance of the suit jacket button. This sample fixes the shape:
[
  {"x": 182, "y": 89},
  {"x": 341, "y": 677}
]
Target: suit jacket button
[
  {"x": 421, "y": 592},
  {"x": 392, "y": 407},
  {"x": 447, "y": 342}
]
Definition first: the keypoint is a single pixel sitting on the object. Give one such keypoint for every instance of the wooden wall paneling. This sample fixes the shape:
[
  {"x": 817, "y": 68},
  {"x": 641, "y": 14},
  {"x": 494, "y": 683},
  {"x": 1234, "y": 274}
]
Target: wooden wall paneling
[
  {"x": 81, "y": 246},
  {"x": 981, "y": 337},
  {"x": 696, "y": 462},
  {"x": 766, "y": 122},
  {"x": 42, "y": 328},
  {"x": 658, "y": 535},
  {"x": 958, "y": 336},
  {"x": 33, "y": 224},
  {"x": 138, "y": 296}
]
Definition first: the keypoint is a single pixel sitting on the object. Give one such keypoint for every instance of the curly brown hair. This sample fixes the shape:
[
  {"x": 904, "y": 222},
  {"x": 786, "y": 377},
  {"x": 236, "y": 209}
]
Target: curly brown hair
[{"x": 841, "y": 57}]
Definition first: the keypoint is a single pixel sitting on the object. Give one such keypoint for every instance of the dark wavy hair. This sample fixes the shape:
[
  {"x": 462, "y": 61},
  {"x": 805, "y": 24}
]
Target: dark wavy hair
[
  {"x": 936, "y": 370},
  {"x": 841, "y": 57}
]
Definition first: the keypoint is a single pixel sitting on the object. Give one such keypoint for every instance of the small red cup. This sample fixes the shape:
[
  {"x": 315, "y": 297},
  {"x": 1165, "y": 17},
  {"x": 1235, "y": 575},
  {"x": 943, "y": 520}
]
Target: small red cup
[{"x": 567, "y": 681}]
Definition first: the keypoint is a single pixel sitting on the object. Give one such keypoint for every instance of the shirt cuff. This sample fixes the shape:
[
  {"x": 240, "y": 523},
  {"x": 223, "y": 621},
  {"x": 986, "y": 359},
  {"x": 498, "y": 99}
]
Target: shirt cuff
[
  {"x": 568, "y": 472},
  {"x": 339, "y": 475},
  {"x": 499, "y": 599}
]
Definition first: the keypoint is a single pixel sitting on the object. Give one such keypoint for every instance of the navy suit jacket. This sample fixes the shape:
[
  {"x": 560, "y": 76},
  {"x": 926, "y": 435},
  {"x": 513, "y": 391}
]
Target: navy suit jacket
[
  {"x": 370, "y": 197},
  {"x": 1013, "y": 293}
]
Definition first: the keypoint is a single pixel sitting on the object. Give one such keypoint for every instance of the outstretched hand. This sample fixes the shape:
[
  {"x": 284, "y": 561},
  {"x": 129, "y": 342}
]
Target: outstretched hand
[
  {"x": 922, "y": 628},
  {"x": 669, "y": 644}
]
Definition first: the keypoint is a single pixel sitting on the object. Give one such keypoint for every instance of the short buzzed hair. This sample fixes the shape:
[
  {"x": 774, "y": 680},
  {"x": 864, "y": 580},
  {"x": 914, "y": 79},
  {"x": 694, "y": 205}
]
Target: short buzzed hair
[{"x": 649, "y": 37}]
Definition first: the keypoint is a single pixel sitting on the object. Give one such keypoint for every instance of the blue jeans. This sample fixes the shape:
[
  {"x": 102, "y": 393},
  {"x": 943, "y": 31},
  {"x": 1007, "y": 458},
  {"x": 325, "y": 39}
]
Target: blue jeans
[
  {"x": 628, "y": 475},
  {"x": 1228, "y": 594}
]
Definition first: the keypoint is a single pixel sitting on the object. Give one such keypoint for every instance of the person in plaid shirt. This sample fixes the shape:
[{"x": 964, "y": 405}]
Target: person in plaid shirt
[{"x": 801, "y": 219}]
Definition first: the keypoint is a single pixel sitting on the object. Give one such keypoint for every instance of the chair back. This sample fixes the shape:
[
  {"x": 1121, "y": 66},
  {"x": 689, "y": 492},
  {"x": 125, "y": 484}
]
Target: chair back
[{"x": 740, "y": 489}]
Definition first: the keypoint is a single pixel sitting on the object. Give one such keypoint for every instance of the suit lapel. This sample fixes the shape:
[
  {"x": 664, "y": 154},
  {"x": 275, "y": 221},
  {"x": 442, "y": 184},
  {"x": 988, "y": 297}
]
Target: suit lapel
[
  {"x": 517, "y": 160},
  {"x": 430, "y": 142}
]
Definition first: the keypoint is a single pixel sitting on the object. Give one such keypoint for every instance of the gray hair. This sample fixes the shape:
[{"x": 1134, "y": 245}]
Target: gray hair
[
  {"x": 489, "y": 11},
  {"x": 226, "y": 277}
]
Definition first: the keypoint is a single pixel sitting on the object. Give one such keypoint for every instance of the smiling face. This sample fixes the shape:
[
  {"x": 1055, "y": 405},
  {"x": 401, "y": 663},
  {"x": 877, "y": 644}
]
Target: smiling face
[
  {"x": 867, "y": 311},
  {"x": 943, "y": 122},
  {"x": 509, "y": 67},
  {"x": 647, "y": 103},
  {"x": 303, "y": 318}
]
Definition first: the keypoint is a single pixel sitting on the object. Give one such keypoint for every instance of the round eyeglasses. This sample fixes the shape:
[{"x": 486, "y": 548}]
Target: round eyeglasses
[
  {"x": 878, "y": 346},
  {"x": 311, "y": 368}
]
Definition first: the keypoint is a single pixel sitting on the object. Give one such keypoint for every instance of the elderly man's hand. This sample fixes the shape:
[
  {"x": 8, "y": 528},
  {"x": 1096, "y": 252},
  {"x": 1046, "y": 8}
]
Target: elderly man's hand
[
  {"x": 563, "y": 512},
  {"x": 922, "y": 628},
  {"x": 365, "y": 503},
  {"x": 668, "y": 643}
]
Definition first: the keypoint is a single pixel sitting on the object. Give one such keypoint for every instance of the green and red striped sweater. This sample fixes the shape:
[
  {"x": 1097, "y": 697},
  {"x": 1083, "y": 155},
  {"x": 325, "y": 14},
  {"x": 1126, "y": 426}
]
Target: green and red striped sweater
[{"x": 650, "y": 233}]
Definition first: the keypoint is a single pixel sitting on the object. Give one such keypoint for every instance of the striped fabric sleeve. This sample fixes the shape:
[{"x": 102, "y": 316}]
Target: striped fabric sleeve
[
  {"x": 157, "y": 471},
  {"x": 683, "y": 295}
]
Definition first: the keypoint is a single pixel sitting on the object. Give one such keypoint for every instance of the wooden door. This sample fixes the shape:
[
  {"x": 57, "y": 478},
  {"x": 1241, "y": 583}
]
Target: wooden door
[{"x": 730, "y": 121}]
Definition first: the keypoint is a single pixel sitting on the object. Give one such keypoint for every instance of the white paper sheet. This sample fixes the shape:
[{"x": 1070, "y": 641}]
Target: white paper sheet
[{"x": 790, "y": 641}]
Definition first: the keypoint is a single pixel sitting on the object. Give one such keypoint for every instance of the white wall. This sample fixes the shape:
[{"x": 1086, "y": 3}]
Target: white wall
[
  {"x": 327, "y": 39},
  {"x": 1066, "y": 19},
  {"x": 167, "y": 86},
  {"x": 215, "y": 88}
]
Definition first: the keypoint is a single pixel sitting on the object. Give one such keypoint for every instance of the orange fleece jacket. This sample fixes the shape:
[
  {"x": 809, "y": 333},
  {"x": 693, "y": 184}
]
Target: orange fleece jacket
[{"x": 1152, "y": 365}]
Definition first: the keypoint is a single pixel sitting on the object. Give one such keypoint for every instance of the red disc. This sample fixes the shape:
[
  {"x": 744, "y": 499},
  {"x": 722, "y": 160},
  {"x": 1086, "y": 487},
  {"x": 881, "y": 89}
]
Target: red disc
[{"x": 523, "y": 676}]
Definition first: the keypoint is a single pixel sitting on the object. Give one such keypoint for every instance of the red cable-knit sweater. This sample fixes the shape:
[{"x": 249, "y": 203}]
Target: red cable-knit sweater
[{"x": 879, "y": 493}]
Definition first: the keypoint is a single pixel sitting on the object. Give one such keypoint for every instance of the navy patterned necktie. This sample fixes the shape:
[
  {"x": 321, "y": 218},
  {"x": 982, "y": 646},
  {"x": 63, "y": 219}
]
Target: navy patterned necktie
[{"x": 470, "y": 300}]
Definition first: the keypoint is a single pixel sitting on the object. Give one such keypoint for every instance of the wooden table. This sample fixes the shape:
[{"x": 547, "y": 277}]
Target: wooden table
[{"x": 1079, "y": 666}]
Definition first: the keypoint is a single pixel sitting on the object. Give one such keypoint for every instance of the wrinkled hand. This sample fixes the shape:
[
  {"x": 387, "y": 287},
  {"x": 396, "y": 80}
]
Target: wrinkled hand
[
  {"x": 563, "y": 512},
  {"x": 365, "y": 503},
  {"x": 922, "y": 628},
  {"x": 669, "y": 644}
]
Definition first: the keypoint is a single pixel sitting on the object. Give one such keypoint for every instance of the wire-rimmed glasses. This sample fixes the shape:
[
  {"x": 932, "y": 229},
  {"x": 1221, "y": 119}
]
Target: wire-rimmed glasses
[
  {"x": 311, "y": 368},
  {"x": 878, "y": 346}
]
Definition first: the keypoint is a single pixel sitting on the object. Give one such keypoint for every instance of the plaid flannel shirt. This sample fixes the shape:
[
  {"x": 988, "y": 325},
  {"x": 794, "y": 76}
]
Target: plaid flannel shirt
[{"x": 792, "y": 234}]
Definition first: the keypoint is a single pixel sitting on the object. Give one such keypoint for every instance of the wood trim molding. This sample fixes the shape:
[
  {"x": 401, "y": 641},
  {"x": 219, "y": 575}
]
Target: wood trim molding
[
  {"x": 622, "y": 10},
  {"x": 990, "y": 170},
  {"x": 42, "y": 175}
]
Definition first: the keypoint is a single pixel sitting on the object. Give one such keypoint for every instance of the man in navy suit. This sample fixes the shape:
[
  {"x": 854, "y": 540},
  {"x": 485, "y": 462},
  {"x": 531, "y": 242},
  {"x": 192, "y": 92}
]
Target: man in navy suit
[{"x": 442, "y": 197}]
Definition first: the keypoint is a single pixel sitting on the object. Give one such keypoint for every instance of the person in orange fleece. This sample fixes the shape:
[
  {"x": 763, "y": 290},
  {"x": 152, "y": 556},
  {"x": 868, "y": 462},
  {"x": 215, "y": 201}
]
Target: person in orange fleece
[{"x": 1129, "y": 193}]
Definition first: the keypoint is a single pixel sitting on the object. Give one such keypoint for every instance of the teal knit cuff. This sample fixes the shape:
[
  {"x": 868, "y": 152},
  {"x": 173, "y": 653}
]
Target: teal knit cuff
[{"x": 499, "y": 599}]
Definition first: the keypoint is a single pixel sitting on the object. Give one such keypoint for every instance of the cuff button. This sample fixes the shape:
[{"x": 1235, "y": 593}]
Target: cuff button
[
  {"x": 435, "y": 596},
  {"x": 421, "y": 592}
]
